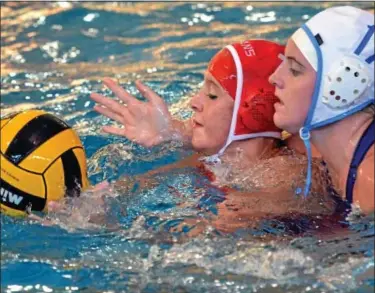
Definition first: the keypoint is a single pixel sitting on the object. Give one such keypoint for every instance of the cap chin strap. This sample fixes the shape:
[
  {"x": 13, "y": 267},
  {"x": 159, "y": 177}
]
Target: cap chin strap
[
  {"x": 304, "y": 134},
  {"x": 237, "y": 100},
  {"x": 317, "y": 61}
]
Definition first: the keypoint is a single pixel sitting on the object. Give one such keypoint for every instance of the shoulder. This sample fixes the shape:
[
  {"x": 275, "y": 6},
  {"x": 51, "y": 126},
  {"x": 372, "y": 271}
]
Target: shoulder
[
  {"x": 364, "y": 186},
  {"x": 292, "y": 170},
  {"x": 284, "y": 171}
]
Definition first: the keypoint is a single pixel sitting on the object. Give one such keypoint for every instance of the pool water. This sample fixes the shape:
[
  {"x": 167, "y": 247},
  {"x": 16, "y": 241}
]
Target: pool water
[{"x": 53, "y": 55}]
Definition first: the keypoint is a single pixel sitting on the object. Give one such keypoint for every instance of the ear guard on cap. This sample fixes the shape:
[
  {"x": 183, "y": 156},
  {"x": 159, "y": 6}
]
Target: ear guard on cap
[
  {"x": 257, "y": 111},
  {"x": 346, "y": 83}
]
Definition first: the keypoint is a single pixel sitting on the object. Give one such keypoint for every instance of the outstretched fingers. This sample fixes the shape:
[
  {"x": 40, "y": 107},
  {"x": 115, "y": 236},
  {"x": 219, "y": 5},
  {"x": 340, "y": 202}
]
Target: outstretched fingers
[
  {"x": 120, "y": 92},
  {"x": 107, "y": 102},
  {"x": 148, "y": 93},
  {"x": 115, "y": 130},
  {"x": 109, "y": 113},
  {"x": 125, "y": 132}
]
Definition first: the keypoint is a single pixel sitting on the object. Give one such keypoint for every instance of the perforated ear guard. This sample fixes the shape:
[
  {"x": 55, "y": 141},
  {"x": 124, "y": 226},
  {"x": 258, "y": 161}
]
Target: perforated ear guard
[{"x": 346, "y": 82}]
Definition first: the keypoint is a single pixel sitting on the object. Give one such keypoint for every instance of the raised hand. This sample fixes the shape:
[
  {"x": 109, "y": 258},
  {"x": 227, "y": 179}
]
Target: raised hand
[{"x": 147, "y": 123}]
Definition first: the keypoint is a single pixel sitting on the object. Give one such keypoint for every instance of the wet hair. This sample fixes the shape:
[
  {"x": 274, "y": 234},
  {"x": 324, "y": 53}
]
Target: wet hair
[
  {"x": 280, "y": 143},
  {"x": 370, "y": 109}
]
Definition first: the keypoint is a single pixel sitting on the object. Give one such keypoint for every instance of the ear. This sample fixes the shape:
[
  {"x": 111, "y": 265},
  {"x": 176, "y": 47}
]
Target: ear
[{"x": 257, "y": 109}]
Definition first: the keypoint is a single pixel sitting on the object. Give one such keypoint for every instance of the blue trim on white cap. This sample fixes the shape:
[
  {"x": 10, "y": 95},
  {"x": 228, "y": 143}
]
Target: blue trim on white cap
[
  {"x": 342, "y": 115},
  {"x": 319, "y": 74},
  {"x": 365, "y": 40},
  {"x": 305, "y": 130},
  {"x": 370, "y": 59}
]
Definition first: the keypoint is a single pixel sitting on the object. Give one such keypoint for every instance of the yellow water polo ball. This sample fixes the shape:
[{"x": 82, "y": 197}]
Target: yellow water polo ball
[{"x": 42, "y": 160}]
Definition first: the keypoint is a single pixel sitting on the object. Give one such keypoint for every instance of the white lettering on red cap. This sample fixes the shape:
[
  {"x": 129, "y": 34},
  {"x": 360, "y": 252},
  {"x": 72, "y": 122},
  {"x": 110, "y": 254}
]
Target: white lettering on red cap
[{"x": 248, "y": 48}]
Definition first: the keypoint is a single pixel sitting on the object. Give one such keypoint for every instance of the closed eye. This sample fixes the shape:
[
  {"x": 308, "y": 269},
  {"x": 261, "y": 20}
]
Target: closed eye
[
  {"x": 211, "y": 96},
  {"x": 295, "y": 67},
  {"x": 294, "y": 72}
]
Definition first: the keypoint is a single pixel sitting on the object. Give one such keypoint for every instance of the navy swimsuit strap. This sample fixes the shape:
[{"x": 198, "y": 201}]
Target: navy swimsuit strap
[{"x": 366, "y": 141}]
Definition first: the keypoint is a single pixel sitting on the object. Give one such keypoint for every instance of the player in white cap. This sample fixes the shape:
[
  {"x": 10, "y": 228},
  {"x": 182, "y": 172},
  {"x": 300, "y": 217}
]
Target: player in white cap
[{"x": 326, "y": 91}]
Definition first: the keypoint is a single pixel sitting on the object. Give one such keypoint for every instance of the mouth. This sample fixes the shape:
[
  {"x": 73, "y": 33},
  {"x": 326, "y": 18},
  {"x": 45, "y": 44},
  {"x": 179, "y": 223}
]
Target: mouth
[
  {"x": 278, "y": 105},
  {"x": 279, "y": 101},
  {"x": 196, "y": 124}
]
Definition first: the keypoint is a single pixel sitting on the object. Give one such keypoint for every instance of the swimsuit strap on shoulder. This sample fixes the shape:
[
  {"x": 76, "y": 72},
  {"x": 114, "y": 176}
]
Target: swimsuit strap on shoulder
[{"x": 366, "y": 141}]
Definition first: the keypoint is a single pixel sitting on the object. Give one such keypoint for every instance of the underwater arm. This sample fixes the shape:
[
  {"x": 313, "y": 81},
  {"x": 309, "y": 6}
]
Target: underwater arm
[
  {"x": 126, "y": 184},
  {"x": 278, "y": 199},
  {"x": 247, "y": 209}
]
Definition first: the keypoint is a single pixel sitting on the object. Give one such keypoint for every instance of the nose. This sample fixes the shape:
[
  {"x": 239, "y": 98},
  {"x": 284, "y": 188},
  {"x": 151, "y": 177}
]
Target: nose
[
  {"x": 275, "y": 78},
  {"x": 196, "y": 103}
]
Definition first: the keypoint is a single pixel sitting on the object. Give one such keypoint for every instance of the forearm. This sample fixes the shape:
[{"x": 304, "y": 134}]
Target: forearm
[
  {"x": 129, "y": 184},
  {"x": 150, "y": 179},
  {"x": 246, "y": 209}
]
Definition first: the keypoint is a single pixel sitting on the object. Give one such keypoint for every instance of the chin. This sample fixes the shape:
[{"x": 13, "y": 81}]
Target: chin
[
  {"x": 201, "y": 147},
  {"x": 284, "y": 123},
  {"x": 197, "y": 145},
  {"x": 277, "y": 119}
]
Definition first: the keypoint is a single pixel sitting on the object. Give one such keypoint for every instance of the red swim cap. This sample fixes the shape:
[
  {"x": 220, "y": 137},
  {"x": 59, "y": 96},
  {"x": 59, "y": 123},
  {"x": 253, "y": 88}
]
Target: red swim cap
[{"x": 243, "y": 69}]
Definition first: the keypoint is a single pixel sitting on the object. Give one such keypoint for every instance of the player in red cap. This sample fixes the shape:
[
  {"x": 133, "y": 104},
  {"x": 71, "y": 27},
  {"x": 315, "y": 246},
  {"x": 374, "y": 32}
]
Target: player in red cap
[
  {"x": 236, "y": 78},
  {"x": 235, "y": 103}
]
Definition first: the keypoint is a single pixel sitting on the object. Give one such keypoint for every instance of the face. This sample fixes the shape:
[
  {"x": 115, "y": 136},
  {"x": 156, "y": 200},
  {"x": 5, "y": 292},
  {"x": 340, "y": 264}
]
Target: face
[
  {"x": 295, "y": 81},
  {"x": 213, "y": 108}
]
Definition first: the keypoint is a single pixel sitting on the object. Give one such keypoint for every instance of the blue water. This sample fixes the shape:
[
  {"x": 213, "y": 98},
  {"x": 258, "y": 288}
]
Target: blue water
[{"x": 53, "y": 55}]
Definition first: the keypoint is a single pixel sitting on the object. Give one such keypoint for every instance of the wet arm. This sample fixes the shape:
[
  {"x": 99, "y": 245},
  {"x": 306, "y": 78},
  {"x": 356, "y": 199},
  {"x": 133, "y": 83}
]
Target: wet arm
[
  {"x": 148, "y": 180},
  {"x": 182, "y": 131}
]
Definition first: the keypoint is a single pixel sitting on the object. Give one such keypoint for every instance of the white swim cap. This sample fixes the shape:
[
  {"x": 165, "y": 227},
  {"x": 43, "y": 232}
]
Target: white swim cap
[{"x": 339, "y": 44}]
